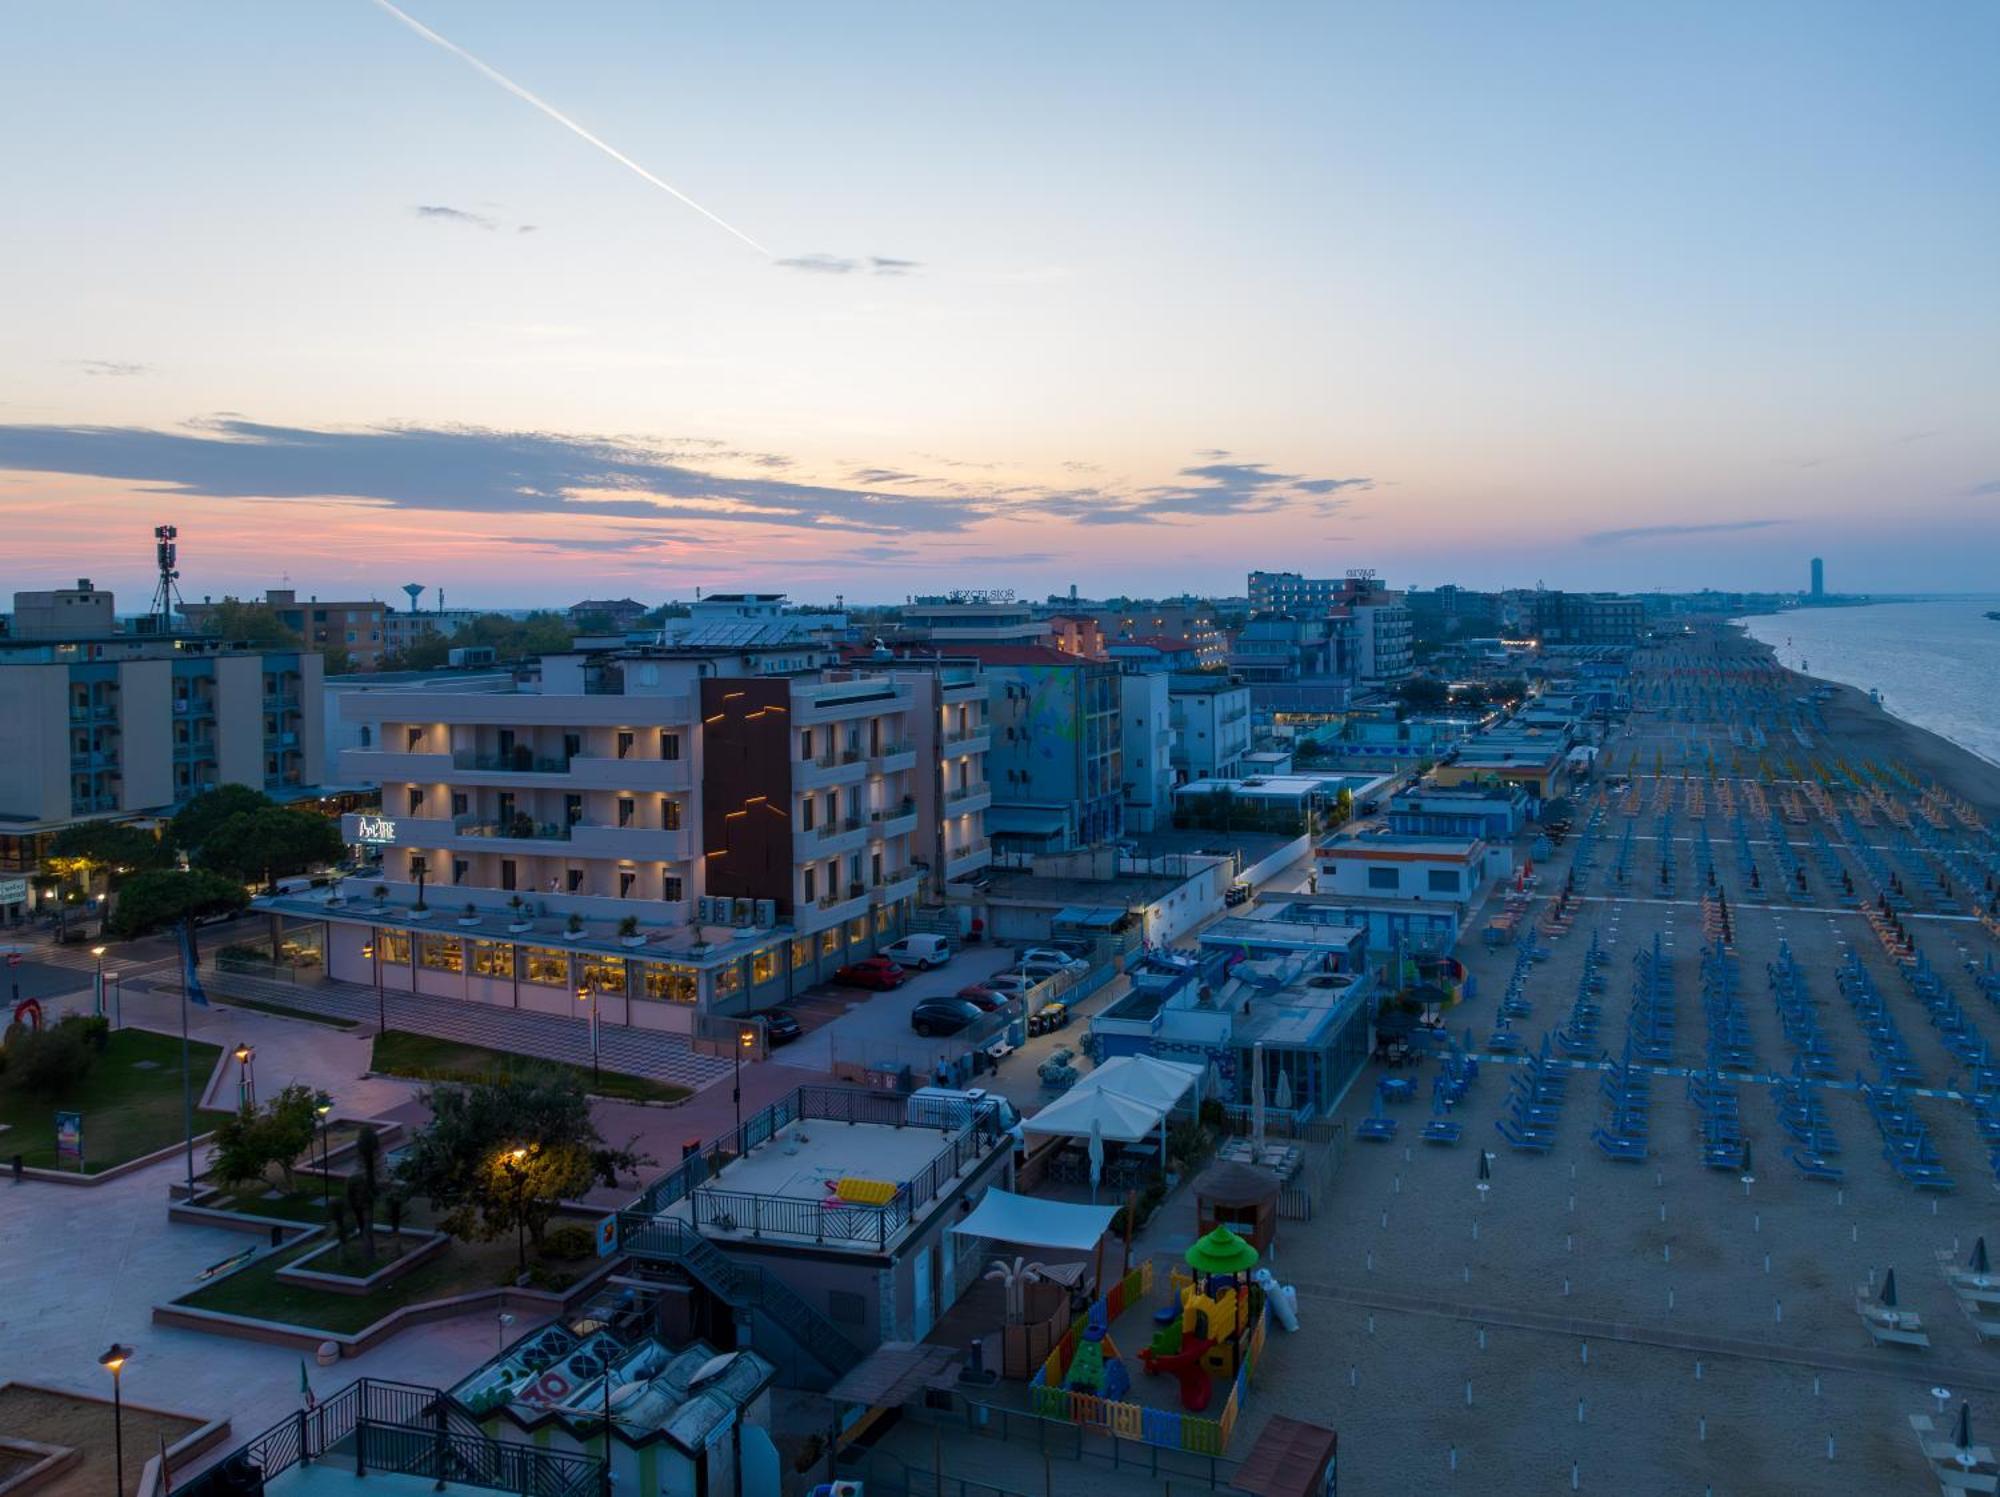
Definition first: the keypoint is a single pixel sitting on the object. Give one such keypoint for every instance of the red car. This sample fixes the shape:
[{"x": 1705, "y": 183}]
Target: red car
[
  {"x": 876, "y": 972},
  {"x": 983, "y": 998}
]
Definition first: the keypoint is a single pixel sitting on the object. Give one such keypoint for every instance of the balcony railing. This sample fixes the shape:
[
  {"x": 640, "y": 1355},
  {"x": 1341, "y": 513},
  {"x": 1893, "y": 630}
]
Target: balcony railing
[
  {"x": 520, "y": 762},
  {"x": 519, "y": 828},
  {"x": 967, "y": 792}
]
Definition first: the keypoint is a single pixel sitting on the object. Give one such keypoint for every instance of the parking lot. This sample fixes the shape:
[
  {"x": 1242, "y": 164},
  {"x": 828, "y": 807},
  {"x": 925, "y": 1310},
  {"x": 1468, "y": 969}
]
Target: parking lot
[{"x": 862, "y": 1020}]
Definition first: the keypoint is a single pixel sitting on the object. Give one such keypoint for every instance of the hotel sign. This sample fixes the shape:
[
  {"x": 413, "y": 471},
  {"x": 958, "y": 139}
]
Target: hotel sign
[{"x": 375, "y": 830}]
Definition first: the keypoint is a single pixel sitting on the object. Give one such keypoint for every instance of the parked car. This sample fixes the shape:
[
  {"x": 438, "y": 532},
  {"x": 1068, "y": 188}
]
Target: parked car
[
  {"x": 942, "y": 1016},
  {"x": 1053, "y": 956},
  {"x": 780, "y": 1028},
  {"x": 1010, "y": 984},
  {"x": 983, "y": 998},
  {"x": 876, "y": 972},
  {"x": 920, "y": 950}
]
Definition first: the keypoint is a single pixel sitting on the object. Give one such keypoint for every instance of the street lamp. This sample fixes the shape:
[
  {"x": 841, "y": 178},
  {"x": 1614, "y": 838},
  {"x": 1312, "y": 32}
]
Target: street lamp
[
  {"x": 117, "y": 1002},
  {"x": 113, "y": 1361},
  {"x": 322, "y": 1106},
  {"x": 246, "y": 1086},
  {"x": 97, "y": 984},
  {"x": 584, "y": 995},
  {"x": 745, "y": 1040},
  {"x": 515, "y": 1162},
  {"x": 373, "y": 951}
]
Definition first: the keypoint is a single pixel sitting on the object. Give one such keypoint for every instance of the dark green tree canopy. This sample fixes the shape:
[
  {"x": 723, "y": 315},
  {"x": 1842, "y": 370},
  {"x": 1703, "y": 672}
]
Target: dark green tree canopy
[
  {"x": 207, "y": 811},
  {"x": 165, "y": 897},
  {"x": 119, "y": 850},
  {"x": 268, "y": 843}
]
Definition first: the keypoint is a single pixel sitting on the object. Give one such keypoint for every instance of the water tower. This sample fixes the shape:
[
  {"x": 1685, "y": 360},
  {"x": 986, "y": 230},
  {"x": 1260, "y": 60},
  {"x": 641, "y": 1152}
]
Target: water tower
[{"x": 415, "y": 590}]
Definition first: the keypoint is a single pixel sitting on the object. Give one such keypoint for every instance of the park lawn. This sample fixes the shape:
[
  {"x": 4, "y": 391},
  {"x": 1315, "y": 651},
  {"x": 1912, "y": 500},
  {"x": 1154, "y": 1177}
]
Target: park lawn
[
  {"x": 400, "y": 1053},
  {"x": 463, "y": 1268},
  {"x": 127, "y": 1111}
]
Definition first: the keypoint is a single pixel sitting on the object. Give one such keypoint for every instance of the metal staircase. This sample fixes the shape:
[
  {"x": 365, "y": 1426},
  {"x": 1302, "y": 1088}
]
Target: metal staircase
[{"x": 742, "y": 1286}]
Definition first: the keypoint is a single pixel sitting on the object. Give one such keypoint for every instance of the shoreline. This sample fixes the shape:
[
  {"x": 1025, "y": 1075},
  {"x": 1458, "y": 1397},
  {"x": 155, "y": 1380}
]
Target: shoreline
[{"x": 1856, "y": 725}]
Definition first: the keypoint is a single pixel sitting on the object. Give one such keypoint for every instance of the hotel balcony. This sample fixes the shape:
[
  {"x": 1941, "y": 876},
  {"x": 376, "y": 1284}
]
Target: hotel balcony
[
  {"x": 968, "y": 798},
  {"x": 894, "y": 821},
  {"x": 968, "y": 859},
  {"x": 956, "y": 745},
  {"x": 891, "y": 758},
  {"x": 507, "y": 765},
  {"x": 829, "y": 839},
  {"x": 384, "y": 767},
  {"x": 841, "y": 767},
  {"x": 636, "y": 843},
  {"x": 830, "y": 910},
  {"x": 631, "y": 773},
  {"x": 901, "y": 884}
]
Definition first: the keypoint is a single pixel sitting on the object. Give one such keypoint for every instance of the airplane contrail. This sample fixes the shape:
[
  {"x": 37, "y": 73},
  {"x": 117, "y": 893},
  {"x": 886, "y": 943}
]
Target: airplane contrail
[{"x": 566, "y": 122}]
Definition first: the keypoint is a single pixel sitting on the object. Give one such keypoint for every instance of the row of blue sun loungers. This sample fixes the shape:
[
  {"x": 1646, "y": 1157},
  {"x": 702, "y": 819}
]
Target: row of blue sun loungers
[
  {"x": 1886, "y": 1045},
  {"x": 1798, "y": 1017},
  {"x": 1907, "y": 1144}
]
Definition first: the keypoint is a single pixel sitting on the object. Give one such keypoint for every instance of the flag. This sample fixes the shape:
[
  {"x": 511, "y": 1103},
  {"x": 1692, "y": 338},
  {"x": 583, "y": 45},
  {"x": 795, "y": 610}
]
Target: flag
[
  {"x": 190, "y": 977},
  {"x": 166, "y": 1484},
  {"x": 306, "y": 1387}
]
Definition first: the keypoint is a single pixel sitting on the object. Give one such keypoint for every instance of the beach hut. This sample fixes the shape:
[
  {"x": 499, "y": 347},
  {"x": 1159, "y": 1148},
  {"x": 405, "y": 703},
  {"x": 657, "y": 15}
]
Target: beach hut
[{"x": 1241, "y": 1197}]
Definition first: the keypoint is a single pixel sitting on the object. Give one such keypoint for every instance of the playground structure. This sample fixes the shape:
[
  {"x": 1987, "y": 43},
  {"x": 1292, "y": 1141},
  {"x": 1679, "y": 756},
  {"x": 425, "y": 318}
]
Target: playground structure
[{"x": 1210, "y": 1336}]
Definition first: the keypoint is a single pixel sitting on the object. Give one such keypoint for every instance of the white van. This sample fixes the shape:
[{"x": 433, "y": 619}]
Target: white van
[
  {"x": 944, "y": 1107},
  {"x": 920, "y": 951}
]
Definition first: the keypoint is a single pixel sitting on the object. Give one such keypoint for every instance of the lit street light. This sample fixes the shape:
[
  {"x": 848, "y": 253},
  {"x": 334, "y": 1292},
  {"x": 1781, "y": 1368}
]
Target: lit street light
[
  {"x": 373, "y": 951},
  {"x": 97, "y": 983},
  {"x": 515, "y": 1162},
  {"x": 746, "y": 1039},
  {"x": 584, "y": 995},
  {"x": 323, "y": 1106},
  {"x": 113, "y": 1361},
  {"x": 246, "y": 1085}
]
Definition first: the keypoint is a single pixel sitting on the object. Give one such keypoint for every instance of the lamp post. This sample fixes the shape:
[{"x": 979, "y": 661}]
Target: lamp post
[
  {"x": 373, "y": 951},
  {"x": 323, "y": 1106},
  {"x": 97, "y": 983},
  {"x": 745, "y": 1038},
  {"x": 117, "y": 1002},
  {"x": 515, "y": 1162},
  {"x": 584, "y": 995},
  {"x": 246, "y": 1085},
  {"x": 113, "y": 1361}
]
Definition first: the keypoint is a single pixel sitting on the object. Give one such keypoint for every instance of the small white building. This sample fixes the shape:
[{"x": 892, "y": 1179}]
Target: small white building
[
  {"x": 1458, "y": 870},
  {"x": 1211, "y": 721}
]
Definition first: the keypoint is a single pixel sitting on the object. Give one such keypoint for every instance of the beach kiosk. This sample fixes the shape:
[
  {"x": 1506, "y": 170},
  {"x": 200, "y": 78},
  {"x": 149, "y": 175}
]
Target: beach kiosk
[{"x": 1241, "y": 1197}]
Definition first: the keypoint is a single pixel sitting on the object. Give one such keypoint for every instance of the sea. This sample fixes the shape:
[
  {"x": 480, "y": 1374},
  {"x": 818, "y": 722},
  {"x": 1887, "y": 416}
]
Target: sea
[{"x": 1934, "y": 664}]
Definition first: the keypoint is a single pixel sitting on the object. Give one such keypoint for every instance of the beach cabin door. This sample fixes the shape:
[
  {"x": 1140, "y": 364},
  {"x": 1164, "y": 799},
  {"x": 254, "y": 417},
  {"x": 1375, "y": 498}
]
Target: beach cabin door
[{"x": 926, "y": 1273}]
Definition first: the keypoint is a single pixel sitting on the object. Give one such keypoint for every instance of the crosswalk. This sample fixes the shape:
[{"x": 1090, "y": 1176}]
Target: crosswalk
[{"x": 629, "y": 1052}]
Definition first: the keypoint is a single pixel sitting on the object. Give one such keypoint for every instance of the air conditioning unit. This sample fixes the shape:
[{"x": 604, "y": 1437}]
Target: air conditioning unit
[
  {"x": 704, "y": 911},
  {"x": 767, "y": 913},
  {"x": 742, "y": 911}
]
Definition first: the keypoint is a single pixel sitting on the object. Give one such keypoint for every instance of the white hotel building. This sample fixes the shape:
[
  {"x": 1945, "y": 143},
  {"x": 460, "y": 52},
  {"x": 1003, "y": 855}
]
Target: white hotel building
[{"x": 680, "y": 830}]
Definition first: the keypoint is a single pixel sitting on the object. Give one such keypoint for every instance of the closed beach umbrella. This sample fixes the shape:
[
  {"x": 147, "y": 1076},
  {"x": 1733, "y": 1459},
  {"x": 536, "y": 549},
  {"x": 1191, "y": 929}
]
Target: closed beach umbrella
[
  {"x": 1096, "y": 1150},
  {"x": 1979, "y": 1262},
  {"x": 1485, "y": 1165},
  {"x": 1281, "y": 1096},
  {"x": 1961, "y": 1435},
  {"x": 1746, "y": 1156},
  {"x": 1889, "y": 1289}
]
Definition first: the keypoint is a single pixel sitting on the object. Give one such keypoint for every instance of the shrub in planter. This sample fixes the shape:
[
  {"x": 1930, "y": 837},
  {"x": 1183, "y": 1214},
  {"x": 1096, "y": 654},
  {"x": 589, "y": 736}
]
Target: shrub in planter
[{"x": 568, "y": 1243}]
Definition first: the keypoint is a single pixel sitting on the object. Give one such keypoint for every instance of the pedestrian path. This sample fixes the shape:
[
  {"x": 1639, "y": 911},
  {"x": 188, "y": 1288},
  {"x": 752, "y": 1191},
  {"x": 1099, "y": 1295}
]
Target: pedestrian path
[{"x": 629, "y": 1052}]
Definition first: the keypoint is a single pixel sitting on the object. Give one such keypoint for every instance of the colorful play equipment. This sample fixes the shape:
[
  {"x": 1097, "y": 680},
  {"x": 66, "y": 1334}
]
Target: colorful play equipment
[
  {"x": 1097, "y": 1367},
  {"x": 1202, "y": 1339},
  {"x": 28, "y": 1014}
]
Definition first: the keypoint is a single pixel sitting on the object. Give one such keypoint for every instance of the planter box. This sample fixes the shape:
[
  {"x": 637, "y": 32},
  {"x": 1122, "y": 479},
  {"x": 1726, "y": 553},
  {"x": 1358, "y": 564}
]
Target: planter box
[{"x": 427, "y": 1245}]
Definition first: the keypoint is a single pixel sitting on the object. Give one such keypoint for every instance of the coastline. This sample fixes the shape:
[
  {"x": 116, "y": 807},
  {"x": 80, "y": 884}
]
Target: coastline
[{"x": 1858, "y": 727}]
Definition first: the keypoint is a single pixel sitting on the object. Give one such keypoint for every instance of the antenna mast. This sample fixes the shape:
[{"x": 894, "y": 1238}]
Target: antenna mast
[{"x": 167, "y": 596}]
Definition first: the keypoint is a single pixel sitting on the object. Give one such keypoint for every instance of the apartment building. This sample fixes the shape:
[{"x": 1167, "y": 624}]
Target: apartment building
[
  {"x": 1371, "y": 633},
  {"x": 1211, "y": 726},
  {"x": 1148, "y": 749},
  {"x": 1077, "y": 634},
  {"x": 1189, "y": 621},
  {"x": 113, "y": 726},
  {"x": 973, "y": 618},
  {"x": 668, "y": 830},
  {"x": 356, "y": 627},
  {"x": 1058, "y": 747}
]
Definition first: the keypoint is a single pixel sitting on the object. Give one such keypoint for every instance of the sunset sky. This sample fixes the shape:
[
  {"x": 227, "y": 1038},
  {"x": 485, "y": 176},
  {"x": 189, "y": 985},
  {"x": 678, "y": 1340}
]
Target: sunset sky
[{"x": 1131, "y": 297}]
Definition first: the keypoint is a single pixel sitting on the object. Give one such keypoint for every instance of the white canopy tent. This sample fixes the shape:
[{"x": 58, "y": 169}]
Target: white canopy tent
[
  {"x": 1162, "y": 1083},
  {"x": 1114, "y": 1116},
  {"x": 1032, "y": 1222}
]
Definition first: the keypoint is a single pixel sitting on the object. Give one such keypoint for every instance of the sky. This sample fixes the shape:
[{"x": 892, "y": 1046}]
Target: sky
[{"x": 1130, "y": 297}]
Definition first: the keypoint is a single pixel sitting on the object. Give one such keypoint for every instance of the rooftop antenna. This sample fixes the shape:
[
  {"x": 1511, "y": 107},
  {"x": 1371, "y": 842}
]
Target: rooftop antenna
[
  {"x": 167, "y": 596},
  {"x": 415, "y": 590}
]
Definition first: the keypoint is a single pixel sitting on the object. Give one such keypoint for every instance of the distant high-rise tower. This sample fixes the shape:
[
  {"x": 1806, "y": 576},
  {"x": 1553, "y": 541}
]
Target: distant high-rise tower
[{"x": 1818, "y": 578}]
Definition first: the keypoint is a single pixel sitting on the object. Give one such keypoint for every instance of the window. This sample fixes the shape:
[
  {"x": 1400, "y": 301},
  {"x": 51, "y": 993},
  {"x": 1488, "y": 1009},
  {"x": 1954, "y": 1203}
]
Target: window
[
  {"x": 438, "y": 953},
  {"x": 829, "y": 941},
  {"x": 393, "y": 947},
  {"x": 572, "y": 746},
  {"x": 575, "y": 879},
  {"x": 665, "y": 983},
  {"x": 367, "y": 736},
  {"x": 546, "y": 966},
  {"x": 626, "y": 878},
  {"x": 809, "y": 884},
  {"x": 805, "y": 743},
  {"x": 419, "y": 867},
  {"x": 857, "y": 930},
  {"x": 1384, "y": 878},
  {"x": 459, "y": 868},
  {"x": 572, "y": 809},
  {"x": 802, "y": 953},
  {"x": 414, "y": 739},
  {"x": 492, "y": 958},
  {"x": 881, "y": 920},
  {"x": 1444, "y": 881},
  {"x": 670, "y": 888},
  {"x": 624, "y": 744},
  {"x": 416, "y": 799},
  {"x": 507, "y": 875},
  {"x": 626, "y": 806},
  {"x": 670, "y": 813},
  {"x": 670, "y": 746},
  {"x": 728, "y": 979},
  {"x": 763, "y": 965},
  {"x": 808, "y": 811},
  {"x": 602, "y": 974}
]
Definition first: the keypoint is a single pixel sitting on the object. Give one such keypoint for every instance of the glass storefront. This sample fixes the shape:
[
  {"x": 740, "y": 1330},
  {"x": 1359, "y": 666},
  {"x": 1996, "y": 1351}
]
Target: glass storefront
[
  {"x": 601, "y": 974},
  {"x": 728, "y": 979},
  {"x": 802, "y": 953},
  {"x": 393, "y": 947},
  {"x": 493, "y": 958},
  {"x": 829, "y": 941},
  {"x": 440, "y": 953},
  {"x": 671, "y": 984},
  {"x": 546, "y": 966},
  {"x": 763, "y": 965},
  {"x": 857, "y": 931}
]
